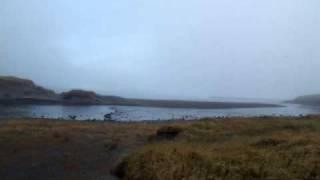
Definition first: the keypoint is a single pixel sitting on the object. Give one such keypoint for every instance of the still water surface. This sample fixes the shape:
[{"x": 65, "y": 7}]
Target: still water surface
[{"x": 132, "y": 113}]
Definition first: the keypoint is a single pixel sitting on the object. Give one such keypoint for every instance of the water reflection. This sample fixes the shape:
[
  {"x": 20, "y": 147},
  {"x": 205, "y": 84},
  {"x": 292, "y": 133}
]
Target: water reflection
[{"x": 132, "y": 113}]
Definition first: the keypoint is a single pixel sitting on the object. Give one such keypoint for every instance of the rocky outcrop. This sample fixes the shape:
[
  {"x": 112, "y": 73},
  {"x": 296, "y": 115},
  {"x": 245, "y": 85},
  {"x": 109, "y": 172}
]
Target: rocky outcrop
[
  {"x": 13, "y": 89},
  {"x": 80, "y": 97}
]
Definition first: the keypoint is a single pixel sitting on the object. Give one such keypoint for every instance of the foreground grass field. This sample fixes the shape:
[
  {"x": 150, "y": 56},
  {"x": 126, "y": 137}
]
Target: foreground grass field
[
  {"x": 53, "y": 149},
  {"x": 237, "y": 148}
]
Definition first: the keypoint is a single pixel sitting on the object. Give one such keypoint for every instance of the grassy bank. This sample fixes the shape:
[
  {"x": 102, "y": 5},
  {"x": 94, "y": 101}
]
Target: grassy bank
[
  {"x": 238, "y": 148},
  {"x": 42, "y": 149}
]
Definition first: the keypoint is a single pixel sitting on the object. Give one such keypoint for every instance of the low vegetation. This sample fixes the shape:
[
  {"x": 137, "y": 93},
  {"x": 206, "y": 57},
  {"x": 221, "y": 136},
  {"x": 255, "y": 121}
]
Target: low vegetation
[
  {"x": 231, "y": 149},
  {"x": 237, "y": 148},
  {"x": 56, "y": 149}
]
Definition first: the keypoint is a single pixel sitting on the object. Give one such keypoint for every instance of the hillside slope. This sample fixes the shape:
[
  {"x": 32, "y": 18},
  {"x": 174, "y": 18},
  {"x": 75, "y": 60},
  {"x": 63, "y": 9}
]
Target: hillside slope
[
  {"x": 307, "y": 100},
  {"x": 17, "y": 90}
]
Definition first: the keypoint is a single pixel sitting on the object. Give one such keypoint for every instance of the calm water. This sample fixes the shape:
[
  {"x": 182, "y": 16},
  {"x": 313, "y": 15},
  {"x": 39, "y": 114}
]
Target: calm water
[{"x": 130, "y": 113}]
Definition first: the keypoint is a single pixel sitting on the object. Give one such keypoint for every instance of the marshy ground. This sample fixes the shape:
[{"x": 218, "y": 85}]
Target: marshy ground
[{"x": 230, "y": 148}]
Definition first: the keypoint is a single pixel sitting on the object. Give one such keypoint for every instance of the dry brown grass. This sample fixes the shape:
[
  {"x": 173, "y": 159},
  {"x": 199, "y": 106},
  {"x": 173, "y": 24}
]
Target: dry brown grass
[
  {"x": 237, "y": 148},
  {"x": 273, "y": 148},
  {"x": 42, "y": 149}
]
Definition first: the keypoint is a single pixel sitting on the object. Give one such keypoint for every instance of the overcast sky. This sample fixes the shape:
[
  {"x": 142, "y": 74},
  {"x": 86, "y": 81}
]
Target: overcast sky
[{"x": 165, "y": 48}]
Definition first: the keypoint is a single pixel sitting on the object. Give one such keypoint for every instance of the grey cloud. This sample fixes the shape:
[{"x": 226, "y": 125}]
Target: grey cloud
[{"x": 164, "y": 49}]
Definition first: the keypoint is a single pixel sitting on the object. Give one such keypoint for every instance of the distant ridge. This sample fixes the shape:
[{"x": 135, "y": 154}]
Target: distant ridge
[
  {"x": 14, "y": 90},
  {"x": 313, "y": 99}
]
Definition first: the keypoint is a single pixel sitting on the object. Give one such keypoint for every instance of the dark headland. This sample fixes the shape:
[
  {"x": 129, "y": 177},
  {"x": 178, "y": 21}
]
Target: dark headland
[
  {"x": 14, "y": 90},
  {"x": 313, "y": 100}
]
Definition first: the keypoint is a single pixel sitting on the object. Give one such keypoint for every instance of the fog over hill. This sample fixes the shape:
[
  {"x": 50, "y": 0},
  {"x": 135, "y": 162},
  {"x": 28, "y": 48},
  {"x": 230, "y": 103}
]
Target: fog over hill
[{"x": 307, "y": 100}]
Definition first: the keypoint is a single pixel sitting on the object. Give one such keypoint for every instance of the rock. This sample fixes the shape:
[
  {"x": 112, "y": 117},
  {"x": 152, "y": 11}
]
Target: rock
[
  {"x": 14, "y": 88},
  {"x": 72, "y": 117},
  {"x": 108, "y": 117},
  {"x": 79, "y": 97},
  {"x": 168, "y": 132}
]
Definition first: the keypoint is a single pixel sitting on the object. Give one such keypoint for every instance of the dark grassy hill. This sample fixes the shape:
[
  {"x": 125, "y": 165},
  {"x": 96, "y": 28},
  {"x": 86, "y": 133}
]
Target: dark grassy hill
[
  {"x": 307, "y": 100},
  {"x": 17, "y": 90}
]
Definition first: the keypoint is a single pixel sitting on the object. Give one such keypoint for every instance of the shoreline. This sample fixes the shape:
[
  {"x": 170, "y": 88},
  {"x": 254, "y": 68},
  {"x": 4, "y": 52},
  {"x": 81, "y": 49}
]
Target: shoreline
[
  {"x": 164, "y": 121},
  {"x": 143, "y": 103}
]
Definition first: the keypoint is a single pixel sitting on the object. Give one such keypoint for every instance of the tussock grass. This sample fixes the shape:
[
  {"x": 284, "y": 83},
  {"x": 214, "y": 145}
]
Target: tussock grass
[
  {"x": 229, "y": 148},
  {"x": 272, "y": 148}
]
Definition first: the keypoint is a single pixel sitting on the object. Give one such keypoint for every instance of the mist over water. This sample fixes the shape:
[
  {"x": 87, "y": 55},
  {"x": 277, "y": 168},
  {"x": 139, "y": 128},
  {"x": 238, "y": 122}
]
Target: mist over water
[{"x": 164, "y": 49}]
